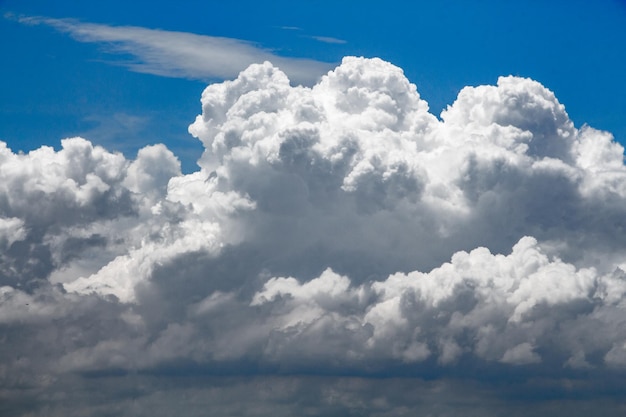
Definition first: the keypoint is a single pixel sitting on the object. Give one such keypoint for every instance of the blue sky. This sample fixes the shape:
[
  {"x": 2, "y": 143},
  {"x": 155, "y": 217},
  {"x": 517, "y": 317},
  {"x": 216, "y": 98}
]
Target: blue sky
[
  {"x": 332, "y": 245},
  {"x": 55, "y": 87}
]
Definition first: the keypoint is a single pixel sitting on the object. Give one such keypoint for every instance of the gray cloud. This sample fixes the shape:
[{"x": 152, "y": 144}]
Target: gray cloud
[{"x": 341, "y": 251}]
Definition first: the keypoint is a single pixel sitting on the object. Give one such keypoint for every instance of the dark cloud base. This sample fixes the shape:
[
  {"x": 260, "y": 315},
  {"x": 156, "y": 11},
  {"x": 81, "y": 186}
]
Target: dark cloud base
[{"x": 257, "y": 395}]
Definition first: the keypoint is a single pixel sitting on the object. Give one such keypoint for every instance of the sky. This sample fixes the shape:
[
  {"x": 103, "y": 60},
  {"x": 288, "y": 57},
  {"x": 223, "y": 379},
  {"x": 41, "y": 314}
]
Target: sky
[{"x": 318, "y": 209}]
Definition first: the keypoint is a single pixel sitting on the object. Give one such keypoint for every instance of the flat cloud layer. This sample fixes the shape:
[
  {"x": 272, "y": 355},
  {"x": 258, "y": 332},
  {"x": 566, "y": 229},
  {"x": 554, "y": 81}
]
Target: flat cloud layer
[{"x": 340, "y": 251}]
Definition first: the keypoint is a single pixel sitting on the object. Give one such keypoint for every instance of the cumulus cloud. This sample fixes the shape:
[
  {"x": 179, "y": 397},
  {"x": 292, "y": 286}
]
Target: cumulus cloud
[
  {"x": 182, "y": 54},
  {"x": 339, "y": 231}
]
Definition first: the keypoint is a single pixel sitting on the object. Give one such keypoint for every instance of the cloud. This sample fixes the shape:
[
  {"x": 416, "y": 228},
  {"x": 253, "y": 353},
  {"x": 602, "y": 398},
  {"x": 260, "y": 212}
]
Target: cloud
[
  {"x": 341, "y": 249},
  {"x": 328, "y": 39},
  {"x": 181, "y": 54}
]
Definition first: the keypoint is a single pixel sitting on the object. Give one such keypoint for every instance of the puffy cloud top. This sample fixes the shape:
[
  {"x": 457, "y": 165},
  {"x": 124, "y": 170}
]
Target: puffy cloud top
[{"x": 341, "y": 227}]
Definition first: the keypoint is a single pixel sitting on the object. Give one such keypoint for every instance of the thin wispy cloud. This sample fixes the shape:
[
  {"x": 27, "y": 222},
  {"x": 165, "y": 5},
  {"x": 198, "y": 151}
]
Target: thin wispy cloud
[
  {"x": 182, "y": 54},
  {"x": 328, "y": 39},
  {"x": 290, "y": 28}
]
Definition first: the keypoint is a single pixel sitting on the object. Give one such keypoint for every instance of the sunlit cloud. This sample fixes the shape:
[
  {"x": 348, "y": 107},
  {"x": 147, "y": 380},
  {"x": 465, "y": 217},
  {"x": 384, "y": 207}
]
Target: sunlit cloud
[{"x": 336, "y": 242}]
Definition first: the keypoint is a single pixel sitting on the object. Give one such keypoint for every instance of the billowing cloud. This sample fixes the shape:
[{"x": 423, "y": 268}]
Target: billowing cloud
[
  {"x": 182, "y": 54},
  {"x": 337, "y": 239}
]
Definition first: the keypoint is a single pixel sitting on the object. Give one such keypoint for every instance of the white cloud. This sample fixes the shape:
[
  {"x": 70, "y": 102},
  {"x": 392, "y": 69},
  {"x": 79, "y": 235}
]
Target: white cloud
[
  {"x": 181, "y": 54},
  {"x": 329, "y": 39},
  {"x": 340, "y": 229},
  {"x": 11, "y": 231}
]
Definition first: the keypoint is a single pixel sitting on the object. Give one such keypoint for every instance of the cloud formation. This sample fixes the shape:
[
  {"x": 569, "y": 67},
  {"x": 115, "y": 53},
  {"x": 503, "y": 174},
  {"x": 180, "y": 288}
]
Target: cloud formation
[
  {"x": 329, "y": 39},
  {"x": 340, "y": 232},
  {"x": 182, "y": 54}
]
